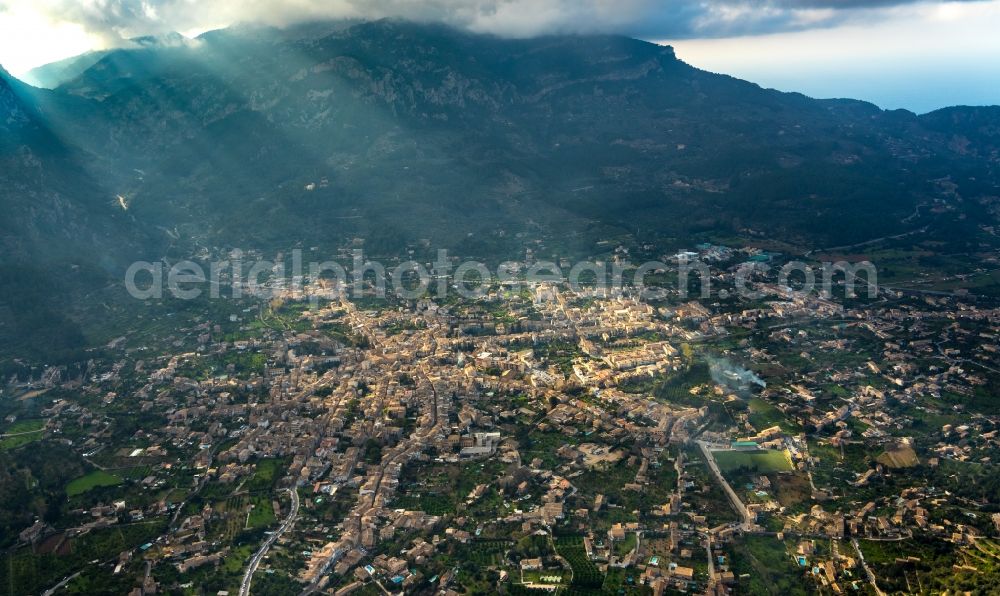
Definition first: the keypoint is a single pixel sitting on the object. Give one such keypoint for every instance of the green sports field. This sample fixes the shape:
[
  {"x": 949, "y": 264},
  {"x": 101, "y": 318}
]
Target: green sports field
[
  {"x": 91, "y": 480},
  {"x": 763, "y": 461}
]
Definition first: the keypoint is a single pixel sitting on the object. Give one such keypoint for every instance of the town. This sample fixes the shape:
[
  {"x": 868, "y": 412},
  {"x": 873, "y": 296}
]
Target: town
[{"x": 535, "y": 438}]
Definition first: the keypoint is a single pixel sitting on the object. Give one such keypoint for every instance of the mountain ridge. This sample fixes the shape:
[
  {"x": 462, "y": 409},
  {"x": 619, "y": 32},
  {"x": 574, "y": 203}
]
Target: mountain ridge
[
  {"x": 53, "y": 74},
  {"x": 408, "y": 135},
  {"x": 431, "y": 78}
]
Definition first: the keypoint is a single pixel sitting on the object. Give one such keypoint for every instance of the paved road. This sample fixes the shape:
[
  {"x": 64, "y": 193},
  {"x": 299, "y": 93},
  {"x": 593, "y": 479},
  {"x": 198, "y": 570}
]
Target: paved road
[
  {"x": 864, "y": 564},
  {"x": 259, "y": 555},
  {"x": 867, "y": 242},
  {"x": 21, "y": 434},
  {"x": 171, "y": 527},
  {"x": 56, "y": 587},
  {"x": 748, "y": 520},
  {"x": 711, "y": 559}
]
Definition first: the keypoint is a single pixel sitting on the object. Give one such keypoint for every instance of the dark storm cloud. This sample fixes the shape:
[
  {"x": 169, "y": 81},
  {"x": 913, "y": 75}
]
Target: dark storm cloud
[{"x": 117, "y": 19}]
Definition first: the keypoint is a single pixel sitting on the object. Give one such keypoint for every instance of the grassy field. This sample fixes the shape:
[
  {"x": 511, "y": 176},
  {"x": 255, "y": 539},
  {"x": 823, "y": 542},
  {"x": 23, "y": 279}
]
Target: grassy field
[
  {"x": 9, "y": 443},
  {"x": 765, "y": 568},
  {"x": 91, "y": 480},
  {"x": 792, "y": 490},
  {"x": 764, "y": 461},
  {"x": 764, "y": 415},
  {"x": 25, "y": 426},
  {"x": 266, "y": 474},
  {"x": 24, "y": 431},
  {"x": 262, "y": 514},
  {"x": 237, "y": 558},
  {"x": 624, "y": 547}
]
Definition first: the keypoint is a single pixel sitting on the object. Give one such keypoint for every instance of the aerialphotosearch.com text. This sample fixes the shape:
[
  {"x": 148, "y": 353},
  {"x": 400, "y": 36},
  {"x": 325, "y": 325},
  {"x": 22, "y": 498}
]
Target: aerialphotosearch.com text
[{"x": 411, "y": 280}]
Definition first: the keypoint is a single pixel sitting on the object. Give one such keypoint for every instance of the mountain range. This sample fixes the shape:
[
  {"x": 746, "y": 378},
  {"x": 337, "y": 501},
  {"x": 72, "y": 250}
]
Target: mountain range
[{"x": 401, "y": 134}]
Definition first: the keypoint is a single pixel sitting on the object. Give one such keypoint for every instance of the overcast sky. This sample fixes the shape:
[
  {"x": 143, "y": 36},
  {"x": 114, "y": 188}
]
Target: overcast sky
[{"x": 914, "y": 54}]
